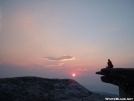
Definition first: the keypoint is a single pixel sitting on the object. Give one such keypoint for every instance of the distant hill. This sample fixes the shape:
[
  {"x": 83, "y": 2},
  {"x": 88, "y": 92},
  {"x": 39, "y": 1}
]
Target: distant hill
[
  {"x": 44, "y": 89},
  {"x": 109, "y": 95}
]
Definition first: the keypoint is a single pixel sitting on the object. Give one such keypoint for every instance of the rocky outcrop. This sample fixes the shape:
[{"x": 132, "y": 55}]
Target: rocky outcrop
[
  {"x": 44, "y": 89},
  {"x": 121, "y": 77}
]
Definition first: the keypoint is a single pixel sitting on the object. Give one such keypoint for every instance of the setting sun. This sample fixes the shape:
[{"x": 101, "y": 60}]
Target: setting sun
[{"x": 73, "y": 74}]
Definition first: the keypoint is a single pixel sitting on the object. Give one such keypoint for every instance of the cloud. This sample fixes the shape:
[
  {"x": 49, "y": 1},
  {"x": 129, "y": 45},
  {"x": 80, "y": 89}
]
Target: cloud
[
  {"x": 82, "y": 69},
  {"x": 63, "y": 58},
  {"x": 55, "y": 65}
]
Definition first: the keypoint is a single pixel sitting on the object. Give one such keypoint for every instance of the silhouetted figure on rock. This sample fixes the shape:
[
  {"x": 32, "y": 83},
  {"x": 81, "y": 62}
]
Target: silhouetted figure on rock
[{"x": 109, "y": 63}]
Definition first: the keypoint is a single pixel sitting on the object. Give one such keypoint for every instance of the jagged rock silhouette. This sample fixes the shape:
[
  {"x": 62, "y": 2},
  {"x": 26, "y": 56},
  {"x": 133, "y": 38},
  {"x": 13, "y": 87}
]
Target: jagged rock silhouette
[{"x": 121, "y": 77}]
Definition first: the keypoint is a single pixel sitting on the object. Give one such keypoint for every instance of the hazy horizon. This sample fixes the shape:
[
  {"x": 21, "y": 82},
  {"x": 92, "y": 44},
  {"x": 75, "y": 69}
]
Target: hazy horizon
[{"x": 56, "y": 38}]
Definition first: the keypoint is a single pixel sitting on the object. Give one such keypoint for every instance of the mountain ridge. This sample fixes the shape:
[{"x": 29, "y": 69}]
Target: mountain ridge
[{"x": 44, "y": 89}]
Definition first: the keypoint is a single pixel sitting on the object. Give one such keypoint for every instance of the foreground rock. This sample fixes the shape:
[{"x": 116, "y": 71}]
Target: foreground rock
[
  {"x": 43, "y": 89},
  {"x": 122, "y": 77}
]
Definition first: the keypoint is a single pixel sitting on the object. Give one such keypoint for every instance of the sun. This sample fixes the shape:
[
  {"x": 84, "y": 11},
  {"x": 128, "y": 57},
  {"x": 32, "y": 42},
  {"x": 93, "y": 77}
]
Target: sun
[{"x": 73, "y": 74}]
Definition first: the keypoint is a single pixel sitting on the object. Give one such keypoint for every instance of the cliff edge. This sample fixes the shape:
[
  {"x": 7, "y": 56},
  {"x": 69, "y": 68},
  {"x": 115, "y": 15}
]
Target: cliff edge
[{"x": 121, "y": 77}]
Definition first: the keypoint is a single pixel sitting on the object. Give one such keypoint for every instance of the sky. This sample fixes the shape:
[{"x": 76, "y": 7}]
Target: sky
[{"x": 55, "y": 38}]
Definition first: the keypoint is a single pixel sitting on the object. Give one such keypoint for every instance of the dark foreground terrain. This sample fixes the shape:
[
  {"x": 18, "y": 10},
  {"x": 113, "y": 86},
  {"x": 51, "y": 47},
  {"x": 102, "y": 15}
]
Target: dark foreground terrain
[
  {"x": 121, "y": 77},
  {"x": 44, "y": 89}
]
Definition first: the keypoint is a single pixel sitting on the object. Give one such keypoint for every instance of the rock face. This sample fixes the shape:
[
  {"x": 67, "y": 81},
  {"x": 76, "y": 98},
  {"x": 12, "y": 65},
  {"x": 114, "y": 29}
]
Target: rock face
[
  {"x": 122, "y": 77},
  {"x": 43, "y": 89}
]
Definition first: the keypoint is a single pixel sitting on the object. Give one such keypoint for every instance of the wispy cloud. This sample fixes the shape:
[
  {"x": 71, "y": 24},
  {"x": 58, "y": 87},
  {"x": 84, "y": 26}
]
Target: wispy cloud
[
  {"x": 62, "y": 58},
  {"x": 82, "y": 69},
  {"x": 55, "y": 65}
]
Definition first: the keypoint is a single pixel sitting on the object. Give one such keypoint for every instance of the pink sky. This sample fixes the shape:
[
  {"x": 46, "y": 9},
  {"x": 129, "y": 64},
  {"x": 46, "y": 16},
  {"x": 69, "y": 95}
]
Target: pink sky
[{"x": 39, "y": 35}]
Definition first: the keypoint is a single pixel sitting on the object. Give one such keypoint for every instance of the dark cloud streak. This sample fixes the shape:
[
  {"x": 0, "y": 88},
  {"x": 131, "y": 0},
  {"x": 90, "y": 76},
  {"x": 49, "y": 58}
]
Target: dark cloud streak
[{"x": 63, "y": 58}]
